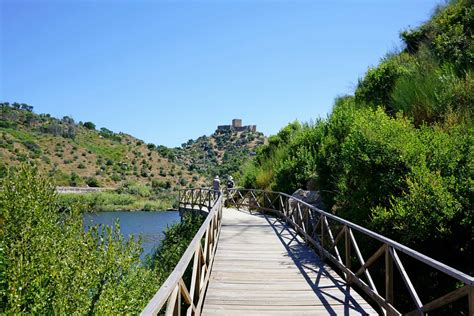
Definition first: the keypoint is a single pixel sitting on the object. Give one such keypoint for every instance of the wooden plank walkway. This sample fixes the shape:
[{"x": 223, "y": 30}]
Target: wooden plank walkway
[{"x": 263, "y": 268}]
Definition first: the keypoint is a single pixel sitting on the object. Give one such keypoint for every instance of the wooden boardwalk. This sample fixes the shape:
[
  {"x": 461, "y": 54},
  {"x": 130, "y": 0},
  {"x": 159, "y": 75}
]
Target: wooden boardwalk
[{"x": 262, "y": 267}]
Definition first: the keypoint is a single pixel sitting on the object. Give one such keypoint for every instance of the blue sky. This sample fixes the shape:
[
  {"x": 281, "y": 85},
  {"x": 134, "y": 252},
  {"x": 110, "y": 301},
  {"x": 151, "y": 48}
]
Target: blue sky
[{"x": 168, "y": 71}]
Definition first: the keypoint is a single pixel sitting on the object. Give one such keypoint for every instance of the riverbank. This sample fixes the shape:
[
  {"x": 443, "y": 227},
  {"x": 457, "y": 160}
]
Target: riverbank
[{"x": 116, "y": 201}]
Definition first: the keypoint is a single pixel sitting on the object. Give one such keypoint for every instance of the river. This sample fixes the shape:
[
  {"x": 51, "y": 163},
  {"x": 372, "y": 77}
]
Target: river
[{"x": 150, "y": 225}]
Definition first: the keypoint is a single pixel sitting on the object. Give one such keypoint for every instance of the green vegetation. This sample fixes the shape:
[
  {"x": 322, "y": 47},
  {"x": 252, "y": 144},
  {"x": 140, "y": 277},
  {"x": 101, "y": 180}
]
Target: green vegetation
[
  {"x": 177, "y": 239},
  {"x": 397, "y": 157},
  {"x": 50, "y": 265},
  {"x": 221, "y": 153},
  {"x": 89, "y": 125},
  {"x": 129, "y": 197},
  {"x": 109, "y": 201}
]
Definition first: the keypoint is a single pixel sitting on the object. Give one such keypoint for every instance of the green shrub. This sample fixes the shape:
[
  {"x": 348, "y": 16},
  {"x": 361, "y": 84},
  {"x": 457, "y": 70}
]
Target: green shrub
[
  {"x": 54, "y": 266},
  {"x": 376, "y": 87},
  {"x": 151, "y": 146},
  {"x": 89, "y": 125},
  {"x": 32, "y": 146},
  {"x": 157, "y": 184},
  {"x": 330, "y": 166},
  {"x": 410, "y": 217},
  {"x": 376, "y": 156},
  {"x": 135, "y": 189},
  {"x": 75, "y": 180},
  {"x": 92, "y": 182},
  {"x": 116, "y": 177},
  {"x": 452, "y": 35},
  {"x": 299, "y": 165}
]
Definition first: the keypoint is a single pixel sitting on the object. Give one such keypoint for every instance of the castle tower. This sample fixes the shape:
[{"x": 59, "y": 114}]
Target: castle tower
[{"x": 236, "y": 123}]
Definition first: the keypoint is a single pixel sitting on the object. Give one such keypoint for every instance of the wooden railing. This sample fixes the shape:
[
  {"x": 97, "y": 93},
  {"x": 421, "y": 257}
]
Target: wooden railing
[
  {"x": 334, "y": 239},
  {"x": 198, "y": 198},
  {"x": 175, "y": 293}
]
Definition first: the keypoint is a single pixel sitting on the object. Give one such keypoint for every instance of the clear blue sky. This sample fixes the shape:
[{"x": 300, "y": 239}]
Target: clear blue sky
[{"x": 168, "y": 71}]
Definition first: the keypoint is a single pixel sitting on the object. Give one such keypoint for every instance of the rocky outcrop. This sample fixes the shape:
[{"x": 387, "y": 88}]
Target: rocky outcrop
[{"x": 310, "y": 197}]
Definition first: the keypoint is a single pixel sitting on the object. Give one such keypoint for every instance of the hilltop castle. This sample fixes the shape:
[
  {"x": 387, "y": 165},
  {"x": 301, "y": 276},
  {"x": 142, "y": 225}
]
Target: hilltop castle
[{"x": 237, "y": 127}]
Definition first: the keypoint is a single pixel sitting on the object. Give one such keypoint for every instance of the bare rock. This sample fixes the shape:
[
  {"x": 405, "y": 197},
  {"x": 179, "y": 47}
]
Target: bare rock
[{"x": 310, "y": 197}]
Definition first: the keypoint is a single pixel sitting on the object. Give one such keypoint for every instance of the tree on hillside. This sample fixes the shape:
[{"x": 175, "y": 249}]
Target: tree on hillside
[{"x": 89, "y": 125}]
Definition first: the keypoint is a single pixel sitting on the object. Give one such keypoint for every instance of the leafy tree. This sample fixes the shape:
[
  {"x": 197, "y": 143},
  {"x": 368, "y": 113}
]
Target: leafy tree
[
  {"x": 151, "y": 146},
  {"x": 89, "y": 125}
]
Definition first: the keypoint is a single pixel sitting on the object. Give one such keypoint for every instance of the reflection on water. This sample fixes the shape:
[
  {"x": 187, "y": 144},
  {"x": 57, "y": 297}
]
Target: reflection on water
[{"x": 150, "y": 225}]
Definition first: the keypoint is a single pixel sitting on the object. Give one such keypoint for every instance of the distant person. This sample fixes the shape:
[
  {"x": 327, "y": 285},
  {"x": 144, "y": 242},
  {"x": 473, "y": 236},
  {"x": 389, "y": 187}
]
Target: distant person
[
  {"x": 230, "y": 182},
  {"x": 216, "y": 184}
]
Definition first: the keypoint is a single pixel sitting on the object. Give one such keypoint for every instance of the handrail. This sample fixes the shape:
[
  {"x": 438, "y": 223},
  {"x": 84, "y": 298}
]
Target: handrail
[
  {"x": 198, "y": 197},
  {"x": 200, "y": 251},
  {"x": 314, "y": 225}
]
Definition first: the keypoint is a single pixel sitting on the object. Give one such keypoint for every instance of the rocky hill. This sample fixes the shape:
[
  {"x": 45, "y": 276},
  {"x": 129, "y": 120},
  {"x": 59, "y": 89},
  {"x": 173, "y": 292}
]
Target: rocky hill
[
  {"x": 78, "y": 154},
  {"x": 223, "y": 153}
]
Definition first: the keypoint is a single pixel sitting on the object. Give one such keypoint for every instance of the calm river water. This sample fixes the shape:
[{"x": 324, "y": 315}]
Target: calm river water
[{"x": 149, "y": 224}]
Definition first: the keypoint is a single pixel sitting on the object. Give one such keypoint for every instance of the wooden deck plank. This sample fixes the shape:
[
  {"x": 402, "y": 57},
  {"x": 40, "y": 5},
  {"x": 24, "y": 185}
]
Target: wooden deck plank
[{"x": 263, "y": 268}]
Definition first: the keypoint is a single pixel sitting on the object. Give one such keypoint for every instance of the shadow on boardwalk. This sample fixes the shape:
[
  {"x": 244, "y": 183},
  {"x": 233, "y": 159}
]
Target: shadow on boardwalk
[
  {"x": 305, "y": 259},
  {"x": 263, "y": 268}
]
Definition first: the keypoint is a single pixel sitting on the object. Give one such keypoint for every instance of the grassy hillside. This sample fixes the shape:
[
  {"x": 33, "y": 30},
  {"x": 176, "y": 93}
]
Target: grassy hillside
[
  {"x": 397, "y": 156},
  {"x": 77, "y": 154},
  {"x": 221, "y": 153}
]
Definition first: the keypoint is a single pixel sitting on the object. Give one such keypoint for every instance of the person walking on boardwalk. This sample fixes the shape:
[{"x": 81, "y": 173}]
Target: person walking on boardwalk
[
  {"x": 230, "y": 186},
  {"x": 230, "y": 182},
  {"x": 216, "y": 185}
]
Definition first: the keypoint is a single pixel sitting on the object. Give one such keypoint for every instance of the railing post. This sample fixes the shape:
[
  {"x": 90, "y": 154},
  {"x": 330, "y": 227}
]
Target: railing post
[
  {"x": 388, "y": 277},
  {"x": 322, "y": 237},
  {"x": 210, "y": 197},
  {"x": 347, "y": 251},
  {"x": 200, "y": 198}
]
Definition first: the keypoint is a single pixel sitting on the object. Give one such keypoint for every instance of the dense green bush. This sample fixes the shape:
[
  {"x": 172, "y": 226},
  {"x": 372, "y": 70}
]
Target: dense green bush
[
  {"x": 50, "y": 265},
  {"x": 299, "y": 165},
  {"x": 53, "y": 265},
  {"x": 448, "y": 33},
  {"x": 135, "y": 188},
  {"x": 330, "y": 167},
  {"x": 92, "y": 182},
  {"x": 89, "y": 125},
  {"x": 376, "y": 87},
  {"x": 452, "y": 33},
  {"x": 376, "y": 155}
]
